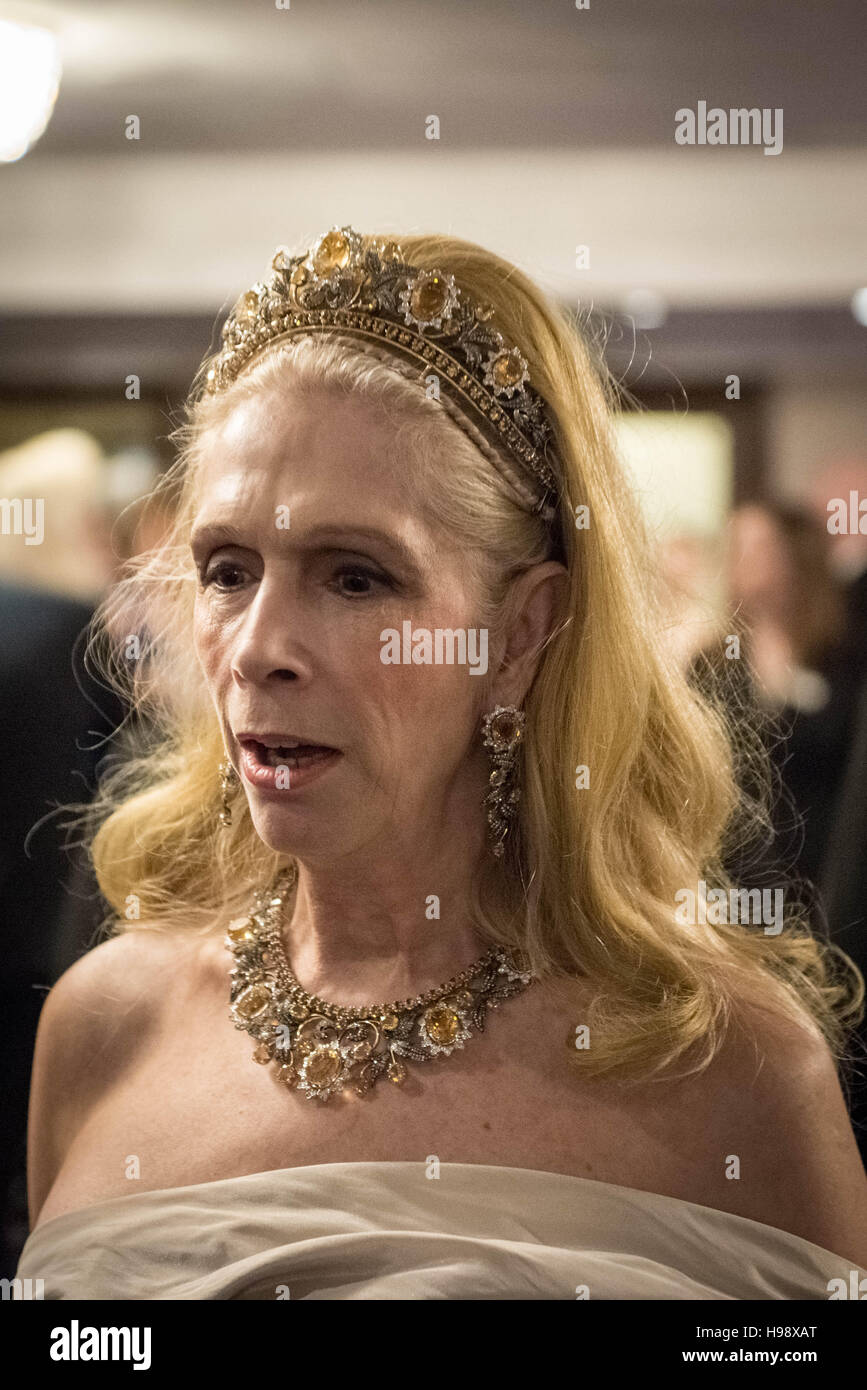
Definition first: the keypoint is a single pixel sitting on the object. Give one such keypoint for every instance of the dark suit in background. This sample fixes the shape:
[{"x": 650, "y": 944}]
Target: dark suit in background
[{"x": 51, "y": 738}]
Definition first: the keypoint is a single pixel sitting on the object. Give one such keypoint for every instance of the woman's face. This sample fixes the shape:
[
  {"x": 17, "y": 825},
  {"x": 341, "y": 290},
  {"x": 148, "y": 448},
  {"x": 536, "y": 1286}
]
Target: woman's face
[{"x": 309, "y": 544}]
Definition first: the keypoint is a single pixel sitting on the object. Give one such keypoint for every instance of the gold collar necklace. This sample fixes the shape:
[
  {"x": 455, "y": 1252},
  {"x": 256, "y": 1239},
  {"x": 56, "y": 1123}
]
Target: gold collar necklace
[{"x": 319, "y": 1047}]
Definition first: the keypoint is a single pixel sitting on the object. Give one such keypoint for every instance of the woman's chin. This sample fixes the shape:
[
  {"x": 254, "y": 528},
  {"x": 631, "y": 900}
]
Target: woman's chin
[{"x": 306, "y": 835}]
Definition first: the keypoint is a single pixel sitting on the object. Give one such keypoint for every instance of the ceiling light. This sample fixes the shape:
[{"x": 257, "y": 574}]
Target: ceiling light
[{"x": 30, "y": 70}]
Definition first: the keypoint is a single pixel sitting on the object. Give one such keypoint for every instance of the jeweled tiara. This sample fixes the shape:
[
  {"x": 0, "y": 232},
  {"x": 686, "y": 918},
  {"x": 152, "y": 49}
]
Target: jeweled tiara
[{"x": 363, "y": 288}]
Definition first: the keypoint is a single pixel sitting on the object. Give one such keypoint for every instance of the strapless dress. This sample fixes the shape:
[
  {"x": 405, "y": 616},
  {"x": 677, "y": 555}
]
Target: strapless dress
[{"x": 387, "y": 1230}]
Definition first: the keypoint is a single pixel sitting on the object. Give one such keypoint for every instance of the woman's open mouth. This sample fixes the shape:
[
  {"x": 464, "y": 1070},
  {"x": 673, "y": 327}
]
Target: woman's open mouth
[{"x": 284, "y": 768}]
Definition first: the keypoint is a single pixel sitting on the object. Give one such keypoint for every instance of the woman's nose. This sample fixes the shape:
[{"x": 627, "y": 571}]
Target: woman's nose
[{"x": 270, "y": 642}]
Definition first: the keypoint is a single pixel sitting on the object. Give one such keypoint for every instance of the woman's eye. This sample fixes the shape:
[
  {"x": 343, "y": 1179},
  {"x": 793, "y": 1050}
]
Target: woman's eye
[
  {"x": 357, "y": 581},
  {"x": 222, "y": 573}
]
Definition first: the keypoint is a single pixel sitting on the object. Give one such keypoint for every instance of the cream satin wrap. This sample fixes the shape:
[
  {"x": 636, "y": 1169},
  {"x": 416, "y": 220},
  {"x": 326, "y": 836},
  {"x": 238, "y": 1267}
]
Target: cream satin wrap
[{"x": 387, "y": 1231}]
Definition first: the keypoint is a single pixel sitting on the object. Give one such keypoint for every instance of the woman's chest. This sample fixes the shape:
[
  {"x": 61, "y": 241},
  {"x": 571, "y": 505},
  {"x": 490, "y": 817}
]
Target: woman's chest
[{"x": 197, "y": 1108}]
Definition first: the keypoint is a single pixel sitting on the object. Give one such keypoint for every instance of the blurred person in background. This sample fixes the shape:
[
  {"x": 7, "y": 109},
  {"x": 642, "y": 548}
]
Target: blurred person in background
[
  {"x": 847, "y": 552},
  {"x": 785, "y": 659},
  {"x": 844, "y": 870},
  {"x": 806, "y": 650},
  {"x": 784, "y": 592},
  {"x": 55, "y": 720}
]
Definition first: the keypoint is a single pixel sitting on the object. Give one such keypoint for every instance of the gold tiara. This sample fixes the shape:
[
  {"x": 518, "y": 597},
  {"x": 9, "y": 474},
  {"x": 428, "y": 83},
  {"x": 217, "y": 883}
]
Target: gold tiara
[{"x": 363, "y": 288}]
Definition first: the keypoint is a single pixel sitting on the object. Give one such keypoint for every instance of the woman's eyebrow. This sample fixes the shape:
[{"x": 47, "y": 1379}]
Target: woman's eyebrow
[
  {"x": 347, "y": 537},
  {"x": 217, "y": 533}
]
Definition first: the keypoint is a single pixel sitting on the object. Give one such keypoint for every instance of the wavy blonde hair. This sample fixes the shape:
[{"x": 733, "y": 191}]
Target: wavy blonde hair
[{"x": 588, "y": 887}]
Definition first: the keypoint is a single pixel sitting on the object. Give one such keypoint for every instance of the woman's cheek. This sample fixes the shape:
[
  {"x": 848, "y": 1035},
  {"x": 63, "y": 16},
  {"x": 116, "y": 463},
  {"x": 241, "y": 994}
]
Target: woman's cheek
[{"x": 207, "y": 642}]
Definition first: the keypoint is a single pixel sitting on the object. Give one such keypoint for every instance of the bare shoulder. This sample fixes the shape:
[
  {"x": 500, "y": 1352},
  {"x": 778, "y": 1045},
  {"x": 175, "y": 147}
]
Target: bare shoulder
[
  {"x": 110, "y": 996},
  {"x": 94, "y": 1022},
  {"x": 778, "y": 1107}
]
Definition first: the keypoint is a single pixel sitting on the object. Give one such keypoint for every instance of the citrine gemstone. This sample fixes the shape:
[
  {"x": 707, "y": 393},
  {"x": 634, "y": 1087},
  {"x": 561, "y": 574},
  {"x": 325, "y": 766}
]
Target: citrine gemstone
[
  {"x": 323, "y": 1066},
  {"x": 262, "y": 1054},
  {"x": 508, "y": 369},
  {"x": 300, "y": 275},
  {"x": 247, "y": 306},
  {"x": 287, "y": 1073},
  {"x": 332, "y": 253},
  {"x": 506, "y": 729},
  {"x": 396, "y": 1073},
  {"x": 441, "y": 1024},
  {"x": 253, "y": 1001},
  {"x": 389, "y": 1022},
  {"x": 429, "y": 298},
  {"x": 239, "y": 930}
]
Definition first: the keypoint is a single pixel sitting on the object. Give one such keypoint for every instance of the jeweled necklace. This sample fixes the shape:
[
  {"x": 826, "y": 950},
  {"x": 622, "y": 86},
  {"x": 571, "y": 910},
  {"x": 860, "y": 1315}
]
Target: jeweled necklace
[{"x": 319, "y": 1047}]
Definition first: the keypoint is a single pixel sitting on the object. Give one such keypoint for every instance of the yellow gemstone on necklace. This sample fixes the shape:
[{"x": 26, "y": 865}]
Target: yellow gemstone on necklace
[
  {"x": 441, "y": 1024},
  {"x": 332, "y": 253},
  {"x": 396, "y": 1073},
  {"x": 323, "y": 1066},
  {"x": 239, "y": 930},
  {"x": 389, "y": 1022},
  {"x": 262, "y": 1054},
  {"x": 253, "y": 1001}
]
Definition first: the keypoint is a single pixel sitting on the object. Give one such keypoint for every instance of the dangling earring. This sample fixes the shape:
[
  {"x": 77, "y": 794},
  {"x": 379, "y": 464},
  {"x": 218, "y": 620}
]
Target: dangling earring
[
  {"x": 228, "y": 782},
  {"x": 504, "y": 731}
]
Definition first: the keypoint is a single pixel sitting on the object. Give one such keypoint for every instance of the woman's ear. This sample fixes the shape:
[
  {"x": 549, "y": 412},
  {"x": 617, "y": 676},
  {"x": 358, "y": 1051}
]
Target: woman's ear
[{"x": 536, "y": 607}]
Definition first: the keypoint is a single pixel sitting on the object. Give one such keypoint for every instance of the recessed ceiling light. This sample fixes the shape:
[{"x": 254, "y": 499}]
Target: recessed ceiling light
[{"x": 30, "y": 70}]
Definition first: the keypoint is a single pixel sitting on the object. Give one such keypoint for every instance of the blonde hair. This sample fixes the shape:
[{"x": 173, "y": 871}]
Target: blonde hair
[{"x": 589, "y": 883}]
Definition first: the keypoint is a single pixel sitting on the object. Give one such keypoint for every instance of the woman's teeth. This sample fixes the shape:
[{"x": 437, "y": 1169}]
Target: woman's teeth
[{"x": 292, "y": 757}]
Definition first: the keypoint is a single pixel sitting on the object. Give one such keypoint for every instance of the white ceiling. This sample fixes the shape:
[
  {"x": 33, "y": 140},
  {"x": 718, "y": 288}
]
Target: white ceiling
[{"x": 262, "y": 126}]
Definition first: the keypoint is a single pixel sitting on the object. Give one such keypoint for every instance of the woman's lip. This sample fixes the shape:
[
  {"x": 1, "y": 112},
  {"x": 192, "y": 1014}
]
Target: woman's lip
[{"x": 263, "y": 776}]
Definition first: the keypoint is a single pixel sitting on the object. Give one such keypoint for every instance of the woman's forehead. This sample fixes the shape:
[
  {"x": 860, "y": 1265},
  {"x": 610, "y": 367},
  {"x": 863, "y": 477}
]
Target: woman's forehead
[
  {"x": 279, "y": 420},
  {"x": 304, "y": 443}
]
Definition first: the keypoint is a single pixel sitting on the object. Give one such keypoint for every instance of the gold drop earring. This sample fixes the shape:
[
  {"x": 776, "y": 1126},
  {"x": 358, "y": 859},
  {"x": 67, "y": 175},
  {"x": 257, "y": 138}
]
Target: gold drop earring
[
  {"x": 503, "y": 734},
  {"x": 229, "y": 781}
]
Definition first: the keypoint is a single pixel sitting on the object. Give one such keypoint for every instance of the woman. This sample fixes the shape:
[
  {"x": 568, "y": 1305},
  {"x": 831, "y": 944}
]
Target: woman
[{"x": 402, "y": 454}]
